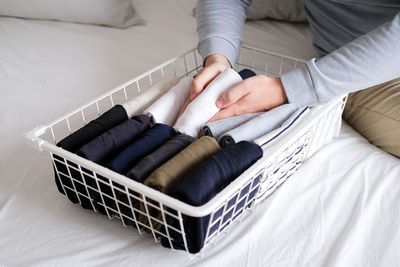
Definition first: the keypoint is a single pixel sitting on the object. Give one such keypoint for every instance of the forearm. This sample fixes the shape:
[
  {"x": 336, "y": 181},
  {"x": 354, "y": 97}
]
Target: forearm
[
  {"x": 372, "y": 59},
  {"x": 220, "y": 27}
]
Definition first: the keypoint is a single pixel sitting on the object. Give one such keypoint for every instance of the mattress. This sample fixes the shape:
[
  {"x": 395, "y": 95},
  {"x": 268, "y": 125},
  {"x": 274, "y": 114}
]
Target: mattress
[{"x": 339, "y": 209}]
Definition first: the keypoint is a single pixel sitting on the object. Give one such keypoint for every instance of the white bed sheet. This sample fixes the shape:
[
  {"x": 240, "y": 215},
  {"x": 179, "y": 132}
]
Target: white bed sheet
[{"x": 339, "y": 209}]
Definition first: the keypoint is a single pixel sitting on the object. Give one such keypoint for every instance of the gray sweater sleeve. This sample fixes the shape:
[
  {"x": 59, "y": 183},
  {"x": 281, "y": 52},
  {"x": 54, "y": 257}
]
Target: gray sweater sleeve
[
  {"x": 220, "y": 27},
  {"x": 371, "y": 59}
]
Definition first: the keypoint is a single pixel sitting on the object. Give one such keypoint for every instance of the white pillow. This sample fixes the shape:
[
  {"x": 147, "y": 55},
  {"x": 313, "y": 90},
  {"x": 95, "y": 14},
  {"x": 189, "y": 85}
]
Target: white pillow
[
  {"x": 286, "y": 10},
  {"x": 114, "y": 13}
]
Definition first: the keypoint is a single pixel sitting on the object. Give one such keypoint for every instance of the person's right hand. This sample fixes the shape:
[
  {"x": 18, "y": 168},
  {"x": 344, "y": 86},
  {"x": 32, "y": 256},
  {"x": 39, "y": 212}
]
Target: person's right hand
[{"x": 214, "y": 65}]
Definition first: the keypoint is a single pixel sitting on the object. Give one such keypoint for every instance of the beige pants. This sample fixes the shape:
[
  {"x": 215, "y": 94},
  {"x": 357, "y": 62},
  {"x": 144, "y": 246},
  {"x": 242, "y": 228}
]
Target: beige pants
[{"x": 375, "y": 114}]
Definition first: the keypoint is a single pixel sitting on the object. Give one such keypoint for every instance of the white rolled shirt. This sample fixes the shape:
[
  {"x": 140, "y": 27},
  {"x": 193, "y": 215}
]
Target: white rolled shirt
[
  {"x": 203, "y": 107},
  {"x": 139, "y": 103},
  {"x": 166, "y": 109}
]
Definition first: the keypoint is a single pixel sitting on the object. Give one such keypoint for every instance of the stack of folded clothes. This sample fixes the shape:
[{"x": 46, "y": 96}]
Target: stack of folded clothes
[{"x": 145, "y": 140}]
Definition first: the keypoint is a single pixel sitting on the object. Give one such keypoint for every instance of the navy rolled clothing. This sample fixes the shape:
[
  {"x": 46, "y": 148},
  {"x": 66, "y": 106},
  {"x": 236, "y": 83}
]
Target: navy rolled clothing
[
  {"x": 74, "y": 141},
  {"x": 114, "y": 139},
  {"x": 141, "y": 147},
  {"x": 161, "y": 155},
  {"x": 202, "y": 184},
  {"x": 96, "y": 127},
  {"x": 246, "y": 73}
]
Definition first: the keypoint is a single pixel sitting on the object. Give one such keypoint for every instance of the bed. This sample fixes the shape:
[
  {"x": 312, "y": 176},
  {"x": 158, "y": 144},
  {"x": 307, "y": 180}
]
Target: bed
[{"x": 339, "y": 209}]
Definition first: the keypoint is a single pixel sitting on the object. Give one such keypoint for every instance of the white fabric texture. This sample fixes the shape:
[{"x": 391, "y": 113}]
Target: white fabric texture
[
  {"x": 139, "y": 103},
  {"x": 203, "y": 107},
  {"x": 114, "y": 13},
  {"x": 339, "y": 209},
  {"x": 166, "y": 109},
  {"x": 258, "y": 126}
]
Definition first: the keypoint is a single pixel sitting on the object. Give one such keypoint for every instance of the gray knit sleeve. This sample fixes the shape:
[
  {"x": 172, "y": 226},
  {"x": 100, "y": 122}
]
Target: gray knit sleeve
[
  {"x": 372, "y": 59},
  {"x": 220, "y": 27}
]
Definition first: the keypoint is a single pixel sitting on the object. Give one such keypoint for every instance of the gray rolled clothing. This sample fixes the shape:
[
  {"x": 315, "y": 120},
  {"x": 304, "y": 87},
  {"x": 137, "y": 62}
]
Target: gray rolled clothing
[
  {"x": 258, "y": 126},
  {"x": 216, "y": 128},
  {"x": 358, "y": 41},
  {"x": 159, "y": 156}
]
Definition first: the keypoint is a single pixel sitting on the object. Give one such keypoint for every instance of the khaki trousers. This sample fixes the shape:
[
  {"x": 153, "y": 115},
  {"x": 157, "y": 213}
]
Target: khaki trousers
[{"x": 375, "y": 114}]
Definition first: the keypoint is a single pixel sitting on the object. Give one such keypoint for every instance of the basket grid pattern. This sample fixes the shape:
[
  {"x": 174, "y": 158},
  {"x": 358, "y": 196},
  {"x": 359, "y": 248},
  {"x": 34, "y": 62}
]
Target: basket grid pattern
[{"x": 92, "y": 189}]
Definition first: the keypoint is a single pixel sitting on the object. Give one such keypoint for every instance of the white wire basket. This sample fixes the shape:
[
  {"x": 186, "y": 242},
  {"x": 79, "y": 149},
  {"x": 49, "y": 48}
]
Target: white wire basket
[{"x": 119, "y": 196}]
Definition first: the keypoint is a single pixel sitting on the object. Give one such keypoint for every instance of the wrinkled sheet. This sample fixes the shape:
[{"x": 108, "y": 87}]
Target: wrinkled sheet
[{"x": 340, "y": 209}]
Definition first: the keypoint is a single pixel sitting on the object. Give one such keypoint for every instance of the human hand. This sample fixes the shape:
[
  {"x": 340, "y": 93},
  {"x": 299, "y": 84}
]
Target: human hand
[
  {"x": 214, "y": 65},
  {"x": 255, "y": 94}
]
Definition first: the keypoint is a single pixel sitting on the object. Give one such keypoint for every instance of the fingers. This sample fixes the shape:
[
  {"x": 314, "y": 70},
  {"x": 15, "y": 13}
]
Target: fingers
[
  {"x": 203, "y": 78},
  {"x": 231, "y": 96},
  {"x": 238, "y": 108}
]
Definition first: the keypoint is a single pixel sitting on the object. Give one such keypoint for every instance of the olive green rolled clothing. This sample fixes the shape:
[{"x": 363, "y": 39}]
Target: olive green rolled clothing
[
  {"x": 170, "y": 172},
  {"x": 375, "y": 114}
]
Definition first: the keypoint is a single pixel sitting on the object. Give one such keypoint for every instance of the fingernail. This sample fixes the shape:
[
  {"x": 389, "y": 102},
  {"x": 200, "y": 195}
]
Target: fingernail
[
  {"x": 219, "y": 103},
  {"x": 192, "y": 96}
]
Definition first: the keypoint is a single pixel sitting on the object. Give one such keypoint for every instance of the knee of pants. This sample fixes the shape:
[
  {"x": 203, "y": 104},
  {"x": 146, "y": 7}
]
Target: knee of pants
[{"x": 375, "y": 114}]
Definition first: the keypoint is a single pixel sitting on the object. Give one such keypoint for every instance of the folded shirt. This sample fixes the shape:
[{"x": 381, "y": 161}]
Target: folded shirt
[
  {"x": 246, "y": 73},
  {"x": 258, "y": 126},
  {"x": 113, "y": 140},
  {"x": 172, "y": 171},
  {"x": 166, "y": 151},
  {"x": 201, "y": 184},
  {"x": 147, "y": 97},
  {"x": 203, "y": 107},
  {"x": 141, "y": 147},
  {"x": 217, "y": 128},
  {"x": 74, "y": 141},
  {"x": 167, "y": 107}
]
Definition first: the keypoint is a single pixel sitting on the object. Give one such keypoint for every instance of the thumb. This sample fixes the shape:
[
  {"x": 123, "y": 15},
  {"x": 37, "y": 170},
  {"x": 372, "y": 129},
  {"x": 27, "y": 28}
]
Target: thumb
[{"x": 231, "y": 96}]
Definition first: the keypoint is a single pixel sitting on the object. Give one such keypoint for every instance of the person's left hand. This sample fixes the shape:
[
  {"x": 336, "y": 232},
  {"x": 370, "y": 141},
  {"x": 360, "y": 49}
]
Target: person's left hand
[{"x": 255, "y": 94}]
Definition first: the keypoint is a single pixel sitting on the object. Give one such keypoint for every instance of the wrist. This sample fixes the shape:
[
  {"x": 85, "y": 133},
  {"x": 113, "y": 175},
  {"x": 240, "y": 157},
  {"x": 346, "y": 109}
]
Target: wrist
[
  {"x": 217, "y": 58},
  {"x": 281, "y": 91}
]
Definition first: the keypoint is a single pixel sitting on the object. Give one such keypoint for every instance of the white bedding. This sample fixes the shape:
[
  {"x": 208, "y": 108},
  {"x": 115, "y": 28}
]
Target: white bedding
[{"x": 339, "y": 209}]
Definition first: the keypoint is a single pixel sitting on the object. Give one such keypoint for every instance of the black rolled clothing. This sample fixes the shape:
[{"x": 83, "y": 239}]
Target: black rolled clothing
[
  {"x": 158, "y": 157},
  {"x": 246, "y": 73},
  {"x": 114, "y": 139},
  {"x": 202, "y": 184},
  {"x": 74, "y": 141}
]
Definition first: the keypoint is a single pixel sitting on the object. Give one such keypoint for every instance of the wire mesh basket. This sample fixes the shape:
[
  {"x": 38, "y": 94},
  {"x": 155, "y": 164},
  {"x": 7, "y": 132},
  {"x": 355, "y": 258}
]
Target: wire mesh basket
[{"x": 117, "y": 196}]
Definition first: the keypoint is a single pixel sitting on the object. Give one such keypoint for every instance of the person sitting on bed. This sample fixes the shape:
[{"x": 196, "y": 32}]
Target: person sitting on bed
[{"x": 359, "y": 46}]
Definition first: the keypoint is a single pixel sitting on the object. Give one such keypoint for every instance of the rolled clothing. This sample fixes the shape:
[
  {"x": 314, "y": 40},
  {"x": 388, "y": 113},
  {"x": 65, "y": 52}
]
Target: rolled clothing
[
  {"x": 169, "y": 173},
  {"x": 141, "y": 147},
  {"x": 258, "y": 126},
  {"x": 73, "y": 142},
  {"x": 96, "y": 127},
  {"x": 246, "y": 73},
  {"x": 142, "y": 101},
  {"x": 114, "y": 139},
  {"x": 166, "y": 109},
  {"x": 159, "y": 156},
  {"x": 203, "y": 107},
  {"x": 217, "y": 128},
  {"x": 201, "y": 184},
  {"x": 293, "y": 120}
]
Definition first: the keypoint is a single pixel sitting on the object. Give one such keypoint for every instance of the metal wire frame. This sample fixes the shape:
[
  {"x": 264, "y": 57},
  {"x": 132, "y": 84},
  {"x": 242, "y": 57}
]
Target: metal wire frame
[{"x": 95, "y": 187}]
